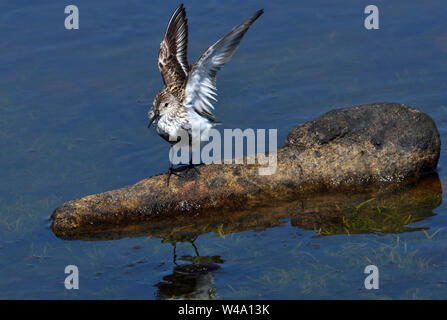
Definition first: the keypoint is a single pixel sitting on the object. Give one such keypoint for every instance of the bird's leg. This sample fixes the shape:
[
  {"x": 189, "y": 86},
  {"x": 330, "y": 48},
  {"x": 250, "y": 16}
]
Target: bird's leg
[
  {"x": 174, "y": 244},
  {"x": 171, "y": 169},
  {"x": 191, "y": 165},
  {"x": 194, "y": 246}
]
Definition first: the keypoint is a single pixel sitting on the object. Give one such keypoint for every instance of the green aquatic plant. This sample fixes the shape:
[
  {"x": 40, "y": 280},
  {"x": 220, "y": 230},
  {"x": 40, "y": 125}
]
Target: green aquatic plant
[{"x": 371, "y": 216}]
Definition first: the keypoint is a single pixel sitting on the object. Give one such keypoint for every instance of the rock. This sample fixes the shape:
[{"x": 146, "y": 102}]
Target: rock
[
  {"x": 378, "y": 211},
  {"x": 371, "y": 148}
]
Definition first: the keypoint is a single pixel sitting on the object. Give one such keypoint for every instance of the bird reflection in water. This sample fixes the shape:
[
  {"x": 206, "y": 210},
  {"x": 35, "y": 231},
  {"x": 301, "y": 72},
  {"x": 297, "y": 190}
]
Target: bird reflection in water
[{"x": 192, "y": 280}]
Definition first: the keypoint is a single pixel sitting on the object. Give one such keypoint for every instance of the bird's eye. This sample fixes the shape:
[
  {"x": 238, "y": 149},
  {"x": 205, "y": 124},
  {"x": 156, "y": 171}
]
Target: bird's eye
[{"x": 166, "y": 104}]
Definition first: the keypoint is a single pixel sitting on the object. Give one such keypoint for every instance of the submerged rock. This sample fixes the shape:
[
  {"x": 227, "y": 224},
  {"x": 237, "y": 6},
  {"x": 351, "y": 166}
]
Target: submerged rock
[{"x": 371, "y": 148}]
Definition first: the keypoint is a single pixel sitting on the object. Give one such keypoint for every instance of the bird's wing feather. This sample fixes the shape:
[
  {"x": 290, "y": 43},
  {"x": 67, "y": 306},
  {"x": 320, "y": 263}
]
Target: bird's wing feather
[
  {"x": 201, "y": 82},
  {"x": 172, "y": 60}
]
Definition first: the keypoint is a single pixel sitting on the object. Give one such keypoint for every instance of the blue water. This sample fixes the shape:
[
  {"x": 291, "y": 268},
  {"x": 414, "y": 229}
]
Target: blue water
[{"x": 73, "y": 122}]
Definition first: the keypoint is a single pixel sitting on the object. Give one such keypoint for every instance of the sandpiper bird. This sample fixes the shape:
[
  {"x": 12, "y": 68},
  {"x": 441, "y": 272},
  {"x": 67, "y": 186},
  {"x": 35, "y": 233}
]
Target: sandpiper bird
[{"x": 186, "y": 100}]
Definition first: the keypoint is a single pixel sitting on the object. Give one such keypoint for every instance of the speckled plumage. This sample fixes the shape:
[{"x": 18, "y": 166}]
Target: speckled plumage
[{"x": 186, "y": 99}]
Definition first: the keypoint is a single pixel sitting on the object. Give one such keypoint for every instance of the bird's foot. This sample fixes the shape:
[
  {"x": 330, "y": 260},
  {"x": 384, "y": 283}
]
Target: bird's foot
[
  {"x": 185, "y": 169},
  {"x": 192, "y": 166},
  {"x": 170, "y": 172}
]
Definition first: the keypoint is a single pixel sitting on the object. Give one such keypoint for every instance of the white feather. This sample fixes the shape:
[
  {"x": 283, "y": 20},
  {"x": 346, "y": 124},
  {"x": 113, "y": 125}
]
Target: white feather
[{"x": 201, "y": 86}]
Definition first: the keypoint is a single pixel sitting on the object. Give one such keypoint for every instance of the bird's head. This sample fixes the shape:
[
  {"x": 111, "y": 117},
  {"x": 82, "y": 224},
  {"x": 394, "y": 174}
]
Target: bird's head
[{"x": 164, "y": 102}]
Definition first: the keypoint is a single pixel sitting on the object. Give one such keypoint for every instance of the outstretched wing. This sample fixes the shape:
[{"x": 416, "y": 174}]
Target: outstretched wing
[
  {"x": 172, "y": 60},
  {"x": 201, "y": 83}
]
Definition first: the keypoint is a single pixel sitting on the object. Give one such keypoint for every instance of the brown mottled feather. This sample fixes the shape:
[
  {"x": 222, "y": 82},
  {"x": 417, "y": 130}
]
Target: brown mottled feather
[
  {"x": 172, "y": 60},
  {"x": 176, "y": 89}
]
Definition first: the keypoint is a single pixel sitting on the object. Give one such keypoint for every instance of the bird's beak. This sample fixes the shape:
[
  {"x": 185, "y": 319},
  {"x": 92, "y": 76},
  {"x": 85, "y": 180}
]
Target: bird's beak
[{"x": 155, "y": 116}]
